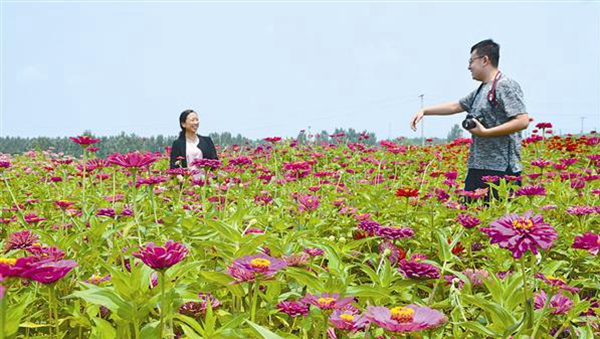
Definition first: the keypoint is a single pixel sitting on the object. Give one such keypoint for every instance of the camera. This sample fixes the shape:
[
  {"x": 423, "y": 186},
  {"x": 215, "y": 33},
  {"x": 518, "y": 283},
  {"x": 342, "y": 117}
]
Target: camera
[{"x": 468, "y": 123}]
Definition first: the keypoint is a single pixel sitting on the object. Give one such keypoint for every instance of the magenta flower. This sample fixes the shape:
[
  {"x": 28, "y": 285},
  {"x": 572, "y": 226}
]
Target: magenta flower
[
  {"x": 43, "y": 253},
  {"x": 47, "y": 271},
  {"x": 20, "y": 240},
  {"x": 392, "y": 233},
  {"x": 476, "y": 277},
  {"x": 556, "y": 282},
  {"x": 411, "y": 318},
  {"x": 206, "y": 163},
  {"x": 588, "y": 241},
  {"x": 84, "y": 140},
  {"x": 313, "y": 252},
  {"x": 132, "y": 160},
  {"x": 415, "y": 269},
  {"x": 521, "y": 233},
  {"x": 106, "y": 212},
  {"x": 348, "y": 320},
  {"x": 33, "y": 218},
  {"x": 253, "y": 267},
  {"x": 369, "y": 226},
  {"x": 580, "y": 210},
  {"x": 468, "y": 221},
  {"x": 97, "y": 279},
  {"x": 327, "y": 301},
  {"x": 4, "y": 165},
  {"x": 530, "y": 191},
  {"x": 307, "y": 202},
  {"x": 559, "y": 304},
  {"x": 161, "y": 258},
  {"x": 293, "y": 308}
]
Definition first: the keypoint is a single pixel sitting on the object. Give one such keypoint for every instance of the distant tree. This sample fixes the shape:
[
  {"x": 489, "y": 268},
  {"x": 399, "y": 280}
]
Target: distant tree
[{"x": 455, "y": 132}]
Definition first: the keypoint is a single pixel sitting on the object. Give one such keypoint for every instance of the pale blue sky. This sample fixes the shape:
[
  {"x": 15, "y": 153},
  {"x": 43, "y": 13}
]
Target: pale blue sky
[{"x": 273, "y": 68}]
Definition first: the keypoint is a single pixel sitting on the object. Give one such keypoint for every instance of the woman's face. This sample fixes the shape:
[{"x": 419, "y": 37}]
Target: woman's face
[{"x": 191, "y": 123}]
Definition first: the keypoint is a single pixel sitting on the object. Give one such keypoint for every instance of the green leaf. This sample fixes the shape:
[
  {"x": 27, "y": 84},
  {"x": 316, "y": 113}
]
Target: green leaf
[
  {"x": 224, "y": 280},
  {"x": 150, "y": 331},
  {"x": 227, "y": 232},
  {"x": 264, "y": 333},
  {"x": 104, "y": 296},
  {"x": 103, "y": 330},
  {"x": 304, "y": 278},
  {"x": 477, "y": 327},
  {"x": 13, "y": 317},
  {"x": 190, "y": 333}
]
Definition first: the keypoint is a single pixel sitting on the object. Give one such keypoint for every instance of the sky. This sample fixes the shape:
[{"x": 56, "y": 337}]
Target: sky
[{"x": 273, "y": 68}]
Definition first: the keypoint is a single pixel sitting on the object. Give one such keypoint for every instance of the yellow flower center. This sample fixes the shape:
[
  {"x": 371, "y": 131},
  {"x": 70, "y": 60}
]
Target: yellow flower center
[
  {"x": 95, "y": 278},
  {"x": 554, "y": 279},
  {"x": 347, "y": 317},
  {"x": 522, "y": 223},
  {"x": 260, "y": 264},
  {"x": 8, "y": 261},
  {"x": 324, "y": 302},
  {"x": 403, "y": 314}
]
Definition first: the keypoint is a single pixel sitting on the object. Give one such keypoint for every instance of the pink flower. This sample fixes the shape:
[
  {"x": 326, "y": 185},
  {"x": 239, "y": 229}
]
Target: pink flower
[
  {"x": 253, "y": 267},
  {"x": 43, "y": 253},
  {"x": 84, "y": 140},
  {"x": 521, "y": 233},
  {"x": 411, "y": 318},
  {"x": 559, "y": 304},
  {"x": 476, "y": 277},
  {"x": 273, "y": 140},
  {"x": 580, "y": 210},
  {"x": 20, "y": 240},
  {"x": 293, "y": 308},
  {"x": 161, "y": 258},
  {"x": 588, "y": 241},
  {"x": 348, "y": 320},
  {"x": 307, "y": 202},
  {"x": 132, "y": 160},
  {"x": 542, "y": 125},
  {"x": 313, "y": 252},
  {"x": 327, "y": 301}
]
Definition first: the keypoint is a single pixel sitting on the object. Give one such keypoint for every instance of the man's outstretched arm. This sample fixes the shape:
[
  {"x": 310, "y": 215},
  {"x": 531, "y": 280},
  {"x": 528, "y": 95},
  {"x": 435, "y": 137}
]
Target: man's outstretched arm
[{"x": 448, "y": 108}]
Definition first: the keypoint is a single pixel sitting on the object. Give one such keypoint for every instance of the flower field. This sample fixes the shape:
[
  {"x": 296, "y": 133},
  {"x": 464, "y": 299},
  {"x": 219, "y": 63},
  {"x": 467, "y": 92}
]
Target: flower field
[{"x": 290, "y": 240}]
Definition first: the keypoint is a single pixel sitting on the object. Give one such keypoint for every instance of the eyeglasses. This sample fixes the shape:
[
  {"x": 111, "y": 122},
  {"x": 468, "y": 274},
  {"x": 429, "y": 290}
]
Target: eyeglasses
[{"x": 475, "y": 58}]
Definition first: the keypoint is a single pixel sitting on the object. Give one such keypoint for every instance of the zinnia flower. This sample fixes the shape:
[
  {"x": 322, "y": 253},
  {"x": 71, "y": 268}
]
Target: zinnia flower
[
  {"x": 327, "y": 301},
  {"x": 407, "y": 192},
  {"x": 293, "y": 308},
  {"x": 556, "y": 282},
  {"x": 161, "y": 258},
  {"x": 521, "y": 233},
  {"x": 253, "y": 267},
  {"x": 415, "y": 269},
  {"x": 20, "y": 240},
  {"x": 411, "y": 318},
  {"x": 588, "y": 241},
  {"x": 559, "y": 304},
  {"x": 132, "y": 160},
  {"x": 530, "y": 191},
  {"x": 392, "y": 233},
  {"x": 468, "y": 221},
  {"x": 47, "y": 271},
  {"x": 84, "y": 140},
  {"x": 195, "y": 309}
]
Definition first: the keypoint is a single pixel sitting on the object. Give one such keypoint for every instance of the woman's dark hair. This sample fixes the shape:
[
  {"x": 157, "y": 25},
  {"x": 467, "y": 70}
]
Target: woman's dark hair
[{"x": 182, "y": 118}]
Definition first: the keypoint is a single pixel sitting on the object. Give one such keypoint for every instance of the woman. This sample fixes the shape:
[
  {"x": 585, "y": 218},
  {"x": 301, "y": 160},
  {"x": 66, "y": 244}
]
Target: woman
[{"x": 190, "y": 146}]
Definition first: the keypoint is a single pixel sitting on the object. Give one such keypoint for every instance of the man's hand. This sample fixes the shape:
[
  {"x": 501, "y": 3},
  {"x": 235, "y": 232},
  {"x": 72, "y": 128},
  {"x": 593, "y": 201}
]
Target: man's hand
[
  {"x": 478, "y": 130},
  {"x": 415, "y": 119}
]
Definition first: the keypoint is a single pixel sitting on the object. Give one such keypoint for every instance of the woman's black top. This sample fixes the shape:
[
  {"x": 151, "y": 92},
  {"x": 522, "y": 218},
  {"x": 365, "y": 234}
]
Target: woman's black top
[{"x": 205, "y": 144}]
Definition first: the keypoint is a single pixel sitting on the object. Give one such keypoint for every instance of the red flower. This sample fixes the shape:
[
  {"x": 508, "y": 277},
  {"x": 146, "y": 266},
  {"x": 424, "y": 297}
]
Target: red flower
[{"x": 407, "y": 192}]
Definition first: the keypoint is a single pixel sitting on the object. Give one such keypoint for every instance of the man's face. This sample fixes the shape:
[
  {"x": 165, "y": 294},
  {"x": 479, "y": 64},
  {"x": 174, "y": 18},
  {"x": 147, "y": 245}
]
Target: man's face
[{"x": 476, "y": 65}]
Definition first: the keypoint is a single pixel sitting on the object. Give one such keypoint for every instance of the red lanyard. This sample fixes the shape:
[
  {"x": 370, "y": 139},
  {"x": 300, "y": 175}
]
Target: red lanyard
[{"x": 492, "y": 93}]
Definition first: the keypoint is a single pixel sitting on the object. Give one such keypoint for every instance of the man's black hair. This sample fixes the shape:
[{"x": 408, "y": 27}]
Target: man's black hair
[{"x": 488, "y": 48}]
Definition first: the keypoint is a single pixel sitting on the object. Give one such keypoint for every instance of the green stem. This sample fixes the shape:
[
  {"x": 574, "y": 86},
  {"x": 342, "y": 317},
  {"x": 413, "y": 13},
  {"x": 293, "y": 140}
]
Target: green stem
[
  {"x": 528, "y": 323},
  {"x": 537, "y": 323},
  {"x": 54, "y": 310},
  {"x": 161, "y": 282},
  {"x": 3, "y": 309},
  {"x": 254, "y": 301}
]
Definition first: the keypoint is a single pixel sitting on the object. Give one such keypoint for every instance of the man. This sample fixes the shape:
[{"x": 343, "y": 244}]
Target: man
[{"x": 499, "y": 115}]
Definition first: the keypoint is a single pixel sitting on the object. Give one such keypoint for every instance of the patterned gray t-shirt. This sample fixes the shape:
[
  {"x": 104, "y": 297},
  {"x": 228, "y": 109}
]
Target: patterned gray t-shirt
[{"x": 496, "y": 153}]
